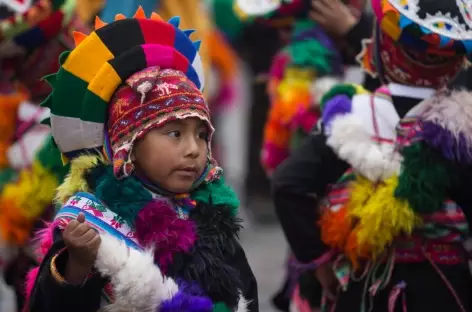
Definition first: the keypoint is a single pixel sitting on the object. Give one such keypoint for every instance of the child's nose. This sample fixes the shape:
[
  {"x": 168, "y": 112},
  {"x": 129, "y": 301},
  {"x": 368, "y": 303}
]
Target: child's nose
[{"x": 192, "y": 148}]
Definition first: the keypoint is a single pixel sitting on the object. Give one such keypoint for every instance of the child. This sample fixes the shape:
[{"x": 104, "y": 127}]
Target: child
[
  {"x": 148, "y": 224},
  {"x": 390, "y": 170}
]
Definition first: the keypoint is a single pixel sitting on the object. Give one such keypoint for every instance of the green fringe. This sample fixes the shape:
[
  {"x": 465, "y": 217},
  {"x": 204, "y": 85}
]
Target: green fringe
[
  {"x": 425, "y": 178},
  {"x": 128, "y": 196},
  {"x": 49, "y": 156},
  {"x": 347, "y": 89},
  {"x": 297, "y": 138},
  {"x": 7, "y": 175},
  {"x": 217, "y": 193},
  {"x": 309, "y": 53},
  {"x": 220, "y": 307},
  {"x": 125, "y": 198}
]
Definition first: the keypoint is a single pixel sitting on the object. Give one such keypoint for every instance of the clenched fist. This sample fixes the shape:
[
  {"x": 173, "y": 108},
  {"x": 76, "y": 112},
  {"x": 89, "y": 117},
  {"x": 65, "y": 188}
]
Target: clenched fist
[{"x": 82, "y": 243}]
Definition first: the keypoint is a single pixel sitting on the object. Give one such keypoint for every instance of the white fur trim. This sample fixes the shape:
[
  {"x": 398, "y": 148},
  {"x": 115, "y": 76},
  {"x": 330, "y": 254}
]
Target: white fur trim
[
  {"x": 242, "y": 304},
  {"x": 452, "y": 112},
  {"x": 386, "y": 116},
  {"x": 352, "y": 143},
  {"x": 321, "y": 86},
  {"x": 137, "y": 282}
]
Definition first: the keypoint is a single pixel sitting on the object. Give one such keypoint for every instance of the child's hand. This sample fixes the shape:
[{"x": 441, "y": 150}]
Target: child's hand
[
  {"x": 325, "y": 275},
  {"x": 334, "y": 16},
  {"x": 82, "y": 243}
]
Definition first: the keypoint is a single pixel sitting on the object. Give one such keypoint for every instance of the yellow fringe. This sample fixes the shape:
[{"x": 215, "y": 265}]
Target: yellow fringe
[
  {"x": 23, "y": 201},
  {"x": 75, "y": 180},
  {"x": 33, "y": 192},
  {"x": 380, "y": 216}
]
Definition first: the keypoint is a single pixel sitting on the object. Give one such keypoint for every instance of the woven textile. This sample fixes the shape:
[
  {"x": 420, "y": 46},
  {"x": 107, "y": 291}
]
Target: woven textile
[{"x": 101, "y": 62}]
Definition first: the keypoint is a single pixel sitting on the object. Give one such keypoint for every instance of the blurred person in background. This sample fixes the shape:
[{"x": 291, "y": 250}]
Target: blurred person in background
[
  {"x": 32, "y": 36},
  {"x": 392, "y": 220},
  {"x": 301, "y": 73}
]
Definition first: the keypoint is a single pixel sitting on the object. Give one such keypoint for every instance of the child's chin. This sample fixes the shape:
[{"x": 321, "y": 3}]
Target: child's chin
[{"x": 180, "y": 187}]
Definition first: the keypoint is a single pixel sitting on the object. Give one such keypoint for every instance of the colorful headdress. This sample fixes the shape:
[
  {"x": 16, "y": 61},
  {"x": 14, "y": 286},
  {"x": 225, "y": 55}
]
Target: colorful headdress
[
  {"x": 26, "y": 24},
  {"x": 418, "y": 42},
  {"x": 91, "y": 73},
  {"x": 440, "y": 26}
]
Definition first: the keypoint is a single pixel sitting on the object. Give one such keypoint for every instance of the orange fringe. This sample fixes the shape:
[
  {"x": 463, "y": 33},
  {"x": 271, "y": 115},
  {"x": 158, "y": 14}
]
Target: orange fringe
[
  {"x": 14, "y": 227},
  {"x": 354, "y": 251},
  {"x": 335, "y": 227},
  {"x": 9, "y": 107},
  {"x": 277, "y": 130},
  {"x": 338, "y": 233}
]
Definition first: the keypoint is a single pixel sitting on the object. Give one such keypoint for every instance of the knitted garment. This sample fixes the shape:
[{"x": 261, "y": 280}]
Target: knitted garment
[
  {"x": 149, "y": 99},
  {"x": 81, "y": 94},
  {"x": 386, "y": 58}
]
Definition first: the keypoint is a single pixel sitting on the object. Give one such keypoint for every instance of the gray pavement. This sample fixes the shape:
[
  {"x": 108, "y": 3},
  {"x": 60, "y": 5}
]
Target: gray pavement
[{"x": 266, "y": 250}]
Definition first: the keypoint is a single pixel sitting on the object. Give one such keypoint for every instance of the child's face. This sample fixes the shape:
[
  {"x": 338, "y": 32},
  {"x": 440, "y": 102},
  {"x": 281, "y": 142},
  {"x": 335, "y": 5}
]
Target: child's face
[{"x": 173, "y": 156}]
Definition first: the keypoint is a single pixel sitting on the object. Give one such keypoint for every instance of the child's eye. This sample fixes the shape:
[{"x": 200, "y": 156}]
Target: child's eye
[
  {"x": 203, "y": 135},
  {"x": 174, "y": 134}
]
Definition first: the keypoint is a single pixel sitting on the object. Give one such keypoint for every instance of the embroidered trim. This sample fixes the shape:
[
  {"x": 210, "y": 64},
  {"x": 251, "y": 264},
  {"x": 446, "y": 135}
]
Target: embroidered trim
[{"x": 98, "y": 216}]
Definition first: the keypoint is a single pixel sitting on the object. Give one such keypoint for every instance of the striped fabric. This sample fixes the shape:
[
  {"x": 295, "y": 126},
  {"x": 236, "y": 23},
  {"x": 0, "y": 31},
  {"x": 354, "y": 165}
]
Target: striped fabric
[
  {"x": 98, "y": 216},
  {"x": 339, "y": 194},
  {"x": 90, "y": 74}
]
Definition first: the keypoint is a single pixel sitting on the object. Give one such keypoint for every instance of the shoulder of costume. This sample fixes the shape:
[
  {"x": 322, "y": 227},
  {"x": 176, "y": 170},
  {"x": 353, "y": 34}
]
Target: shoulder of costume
[
  {"x": 360, "y": 127},
  {"x": 444, "y": 123},
  {"x": 338, "y": 101}
]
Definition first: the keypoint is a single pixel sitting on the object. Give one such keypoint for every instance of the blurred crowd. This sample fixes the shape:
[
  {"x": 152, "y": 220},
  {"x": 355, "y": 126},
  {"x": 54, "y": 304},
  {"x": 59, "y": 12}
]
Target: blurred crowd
[{"x": 269, "y": 66}]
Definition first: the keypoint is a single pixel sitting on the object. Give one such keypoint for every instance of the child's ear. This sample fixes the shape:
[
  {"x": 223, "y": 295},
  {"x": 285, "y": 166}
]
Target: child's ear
[{"x": 133, "y": 156}]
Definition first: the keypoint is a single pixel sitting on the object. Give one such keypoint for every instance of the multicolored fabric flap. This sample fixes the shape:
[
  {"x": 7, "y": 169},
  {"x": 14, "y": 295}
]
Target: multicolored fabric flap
[{"x": 98, "y": 216}]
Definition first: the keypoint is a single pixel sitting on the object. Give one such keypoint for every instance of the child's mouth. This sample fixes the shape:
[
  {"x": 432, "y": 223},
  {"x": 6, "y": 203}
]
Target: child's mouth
[{"x": 187, "y": 173}]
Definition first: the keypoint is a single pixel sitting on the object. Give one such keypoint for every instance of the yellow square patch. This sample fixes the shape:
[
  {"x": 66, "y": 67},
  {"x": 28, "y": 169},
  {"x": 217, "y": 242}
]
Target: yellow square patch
[
  {"x": 105, "y": 82},
  {"x": 88, "y": 58}
]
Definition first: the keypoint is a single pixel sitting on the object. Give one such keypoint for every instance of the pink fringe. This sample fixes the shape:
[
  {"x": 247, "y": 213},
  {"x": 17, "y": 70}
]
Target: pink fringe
[
  {"x": 305, "y": 119},
  {"x": 30, "y": 281},
  {"x": 45, "y": 239},
  {"x": 158, "y": 225},
  {"x": 279, "y": 63},
  {"x": 272, "y": 156}
]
